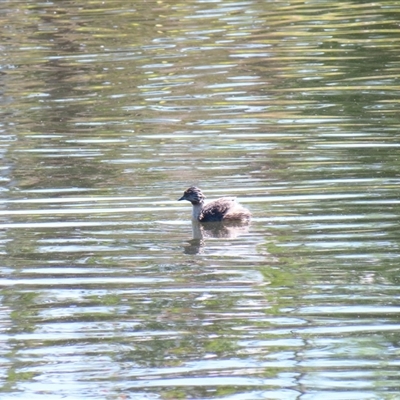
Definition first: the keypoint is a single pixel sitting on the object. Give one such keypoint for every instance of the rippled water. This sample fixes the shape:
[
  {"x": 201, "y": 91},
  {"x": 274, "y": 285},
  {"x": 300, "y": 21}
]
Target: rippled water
[{"x": 110, "y": 110}]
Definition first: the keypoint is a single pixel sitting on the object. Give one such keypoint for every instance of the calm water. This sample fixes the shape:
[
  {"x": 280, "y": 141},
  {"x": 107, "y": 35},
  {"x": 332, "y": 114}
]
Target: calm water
[{"x": 109, "y": 110}]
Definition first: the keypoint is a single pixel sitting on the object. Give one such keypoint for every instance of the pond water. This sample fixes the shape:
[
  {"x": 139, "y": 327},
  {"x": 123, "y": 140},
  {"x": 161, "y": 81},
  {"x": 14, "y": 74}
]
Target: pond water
[{"x": 110, "y": 110}]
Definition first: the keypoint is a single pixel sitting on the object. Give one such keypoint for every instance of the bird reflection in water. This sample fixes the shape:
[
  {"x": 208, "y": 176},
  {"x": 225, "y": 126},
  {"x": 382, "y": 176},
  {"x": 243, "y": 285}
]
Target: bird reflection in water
[{"x": 216, "y": 230}]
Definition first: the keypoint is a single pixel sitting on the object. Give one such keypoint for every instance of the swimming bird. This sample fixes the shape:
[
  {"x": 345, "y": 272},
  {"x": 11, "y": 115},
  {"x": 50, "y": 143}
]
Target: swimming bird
[{"x": 222, "y": 209}]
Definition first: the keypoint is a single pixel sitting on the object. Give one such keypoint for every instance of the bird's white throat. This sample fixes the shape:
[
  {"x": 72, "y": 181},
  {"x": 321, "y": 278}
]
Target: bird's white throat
[{"x": 196, "y": 211}]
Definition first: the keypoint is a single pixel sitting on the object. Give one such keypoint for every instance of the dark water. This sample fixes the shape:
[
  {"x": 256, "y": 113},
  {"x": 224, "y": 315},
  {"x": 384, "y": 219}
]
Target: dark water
[{"x": 109, "y": 110}]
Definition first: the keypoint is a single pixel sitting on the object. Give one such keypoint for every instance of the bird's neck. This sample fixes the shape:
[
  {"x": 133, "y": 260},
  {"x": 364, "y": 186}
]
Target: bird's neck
[{"x": 197, "y": 207}]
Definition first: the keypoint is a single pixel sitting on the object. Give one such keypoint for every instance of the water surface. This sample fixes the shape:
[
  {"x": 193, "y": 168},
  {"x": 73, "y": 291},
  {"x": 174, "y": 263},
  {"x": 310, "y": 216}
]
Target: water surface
[{"x": 110, "y": 110}]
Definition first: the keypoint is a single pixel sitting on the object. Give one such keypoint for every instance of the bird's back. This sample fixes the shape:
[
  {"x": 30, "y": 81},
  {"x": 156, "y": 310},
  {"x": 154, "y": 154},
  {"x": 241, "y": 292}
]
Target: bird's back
[{"x": 222, "y": 209}]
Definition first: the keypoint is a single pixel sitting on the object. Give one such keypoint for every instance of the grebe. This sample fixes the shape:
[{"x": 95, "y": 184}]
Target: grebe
[{"x": 223, "y": 209}]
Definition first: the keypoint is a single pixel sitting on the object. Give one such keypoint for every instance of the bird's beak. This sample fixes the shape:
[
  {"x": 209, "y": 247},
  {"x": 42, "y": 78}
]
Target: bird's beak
[{"x": 182, "y": 198}]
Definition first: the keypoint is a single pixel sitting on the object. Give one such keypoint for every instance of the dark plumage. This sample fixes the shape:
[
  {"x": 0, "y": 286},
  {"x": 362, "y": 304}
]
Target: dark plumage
[{"x": 225, "y": 208}]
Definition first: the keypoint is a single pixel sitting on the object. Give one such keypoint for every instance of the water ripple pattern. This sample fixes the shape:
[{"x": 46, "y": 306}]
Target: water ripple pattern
[{"x": 110, "y": 110}]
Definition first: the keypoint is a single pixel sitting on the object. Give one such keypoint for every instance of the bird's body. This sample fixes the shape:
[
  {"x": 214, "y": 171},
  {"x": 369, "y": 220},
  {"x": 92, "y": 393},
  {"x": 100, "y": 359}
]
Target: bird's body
[{"x": 222, "y": 209}]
